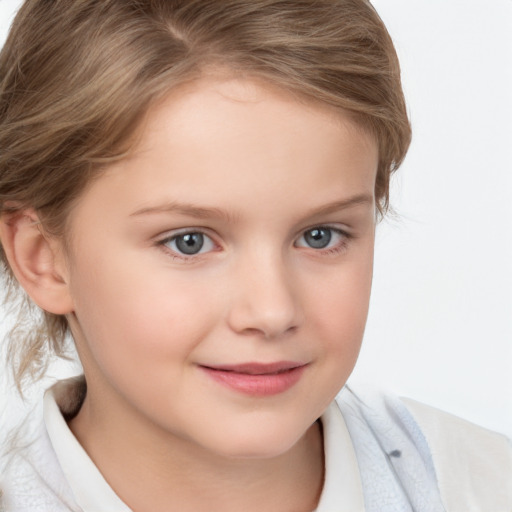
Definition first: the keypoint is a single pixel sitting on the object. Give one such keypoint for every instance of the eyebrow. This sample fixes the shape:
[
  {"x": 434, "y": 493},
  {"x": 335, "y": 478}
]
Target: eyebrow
[
  {"x": 336, "y": 206},
  {"x": 199, "y": 212},
  {"x": 187, "y": 209}
]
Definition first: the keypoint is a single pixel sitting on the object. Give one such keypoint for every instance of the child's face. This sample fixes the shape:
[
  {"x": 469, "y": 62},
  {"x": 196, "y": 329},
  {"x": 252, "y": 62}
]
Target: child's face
[{"x": 240, "y": 233}]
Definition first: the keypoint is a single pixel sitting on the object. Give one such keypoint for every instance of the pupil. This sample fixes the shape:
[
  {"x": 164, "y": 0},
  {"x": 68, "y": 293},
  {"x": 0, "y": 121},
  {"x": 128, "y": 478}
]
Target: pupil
[
  {"x": 190, "y": 243},
  {"x": 318, "y": 238}
]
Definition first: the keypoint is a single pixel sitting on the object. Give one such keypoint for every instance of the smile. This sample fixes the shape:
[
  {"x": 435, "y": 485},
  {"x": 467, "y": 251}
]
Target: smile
[{"x": 257, "y": 379}]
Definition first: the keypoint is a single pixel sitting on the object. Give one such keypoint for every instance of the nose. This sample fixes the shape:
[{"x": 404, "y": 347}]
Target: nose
[{"x": 266, "y": 301}]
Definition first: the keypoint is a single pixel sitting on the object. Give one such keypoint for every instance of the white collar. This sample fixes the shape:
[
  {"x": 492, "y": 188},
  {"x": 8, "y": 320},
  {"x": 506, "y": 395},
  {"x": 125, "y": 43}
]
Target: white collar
[
  {"x": 342, "y": 490},
  {"x": 342, "y": 486},
  {"x": 91, "y": 491}
]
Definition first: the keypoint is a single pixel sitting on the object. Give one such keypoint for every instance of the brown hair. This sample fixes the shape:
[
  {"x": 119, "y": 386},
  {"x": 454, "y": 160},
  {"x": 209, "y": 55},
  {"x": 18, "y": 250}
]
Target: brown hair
[{"x": 76, "y": 76}]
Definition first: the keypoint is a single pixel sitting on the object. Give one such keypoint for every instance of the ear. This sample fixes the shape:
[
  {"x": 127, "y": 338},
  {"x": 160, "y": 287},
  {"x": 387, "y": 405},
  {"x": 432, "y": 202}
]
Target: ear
[{"x": 36, "y": 260}]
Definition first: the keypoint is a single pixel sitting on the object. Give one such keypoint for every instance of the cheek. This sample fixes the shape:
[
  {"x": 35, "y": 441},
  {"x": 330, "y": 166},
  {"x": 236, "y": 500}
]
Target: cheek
[
  {"x": 340, "y": 309},
  {"x": 151, "y": 317}
]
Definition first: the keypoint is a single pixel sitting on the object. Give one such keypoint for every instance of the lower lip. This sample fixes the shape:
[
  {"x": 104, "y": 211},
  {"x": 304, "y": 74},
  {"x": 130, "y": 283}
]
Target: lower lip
[{"x": 267, "y": 384}]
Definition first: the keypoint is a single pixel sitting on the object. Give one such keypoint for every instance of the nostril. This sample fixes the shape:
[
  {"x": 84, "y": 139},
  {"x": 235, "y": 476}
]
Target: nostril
[{"x": 270, "y": 334}]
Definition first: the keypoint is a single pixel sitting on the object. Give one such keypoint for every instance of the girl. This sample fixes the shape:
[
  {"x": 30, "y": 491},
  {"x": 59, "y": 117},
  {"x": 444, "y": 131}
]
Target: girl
[{"x": 190, "y": 189}]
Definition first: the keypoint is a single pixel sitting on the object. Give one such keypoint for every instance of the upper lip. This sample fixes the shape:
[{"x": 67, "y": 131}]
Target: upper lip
[{"x": 256, "y": 368}]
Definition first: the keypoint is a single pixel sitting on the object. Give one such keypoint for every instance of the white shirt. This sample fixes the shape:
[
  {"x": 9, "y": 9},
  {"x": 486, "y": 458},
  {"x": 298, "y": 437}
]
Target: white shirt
[
  {"x": 91, "y": 491},
  {"x": 341, "y": 491},
  {"x": 382, "y": 454}
]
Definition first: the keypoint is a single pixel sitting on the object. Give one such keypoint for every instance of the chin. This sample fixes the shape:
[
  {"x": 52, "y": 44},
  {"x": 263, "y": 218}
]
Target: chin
[{"x": 259, "y": 442}]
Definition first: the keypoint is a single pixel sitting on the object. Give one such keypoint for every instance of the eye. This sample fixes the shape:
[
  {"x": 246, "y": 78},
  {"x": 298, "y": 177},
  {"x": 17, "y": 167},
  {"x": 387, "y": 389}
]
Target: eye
[
  {"x": 322, "y": 237},
  {"x": 189, "y": 243}
]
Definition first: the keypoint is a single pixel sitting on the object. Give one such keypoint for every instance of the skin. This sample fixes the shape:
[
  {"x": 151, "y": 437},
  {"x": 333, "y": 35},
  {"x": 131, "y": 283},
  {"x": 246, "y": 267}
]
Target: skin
[{"x": 256, "y": 169}]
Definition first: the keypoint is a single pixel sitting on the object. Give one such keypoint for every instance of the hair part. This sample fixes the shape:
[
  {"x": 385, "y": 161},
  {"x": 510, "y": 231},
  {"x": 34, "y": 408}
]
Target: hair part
[{"x": 77, "y": 77}]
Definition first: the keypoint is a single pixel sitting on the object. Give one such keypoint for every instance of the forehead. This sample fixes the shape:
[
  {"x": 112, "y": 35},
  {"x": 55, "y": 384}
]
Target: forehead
[
  {"x": 241, "y": 111},
  {"x": 244, "y": 144},
  {"x": 220, "y": 90}
]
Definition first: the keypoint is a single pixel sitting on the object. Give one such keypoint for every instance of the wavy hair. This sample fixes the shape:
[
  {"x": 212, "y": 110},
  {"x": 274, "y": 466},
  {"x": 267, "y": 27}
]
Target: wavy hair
[{"x": 76, "y": 77}]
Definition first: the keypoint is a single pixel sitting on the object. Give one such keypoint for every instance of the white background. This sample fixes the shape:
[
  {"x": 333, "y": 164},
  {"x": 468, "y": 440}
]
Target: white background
[{"x": 440, "y": 324}]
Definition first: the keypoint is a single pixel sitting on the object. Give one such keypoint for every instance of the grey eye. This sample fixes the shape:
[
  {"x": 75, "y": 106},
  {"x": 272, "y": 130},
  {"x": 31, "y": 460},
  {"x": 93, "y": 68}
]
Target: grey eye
[
  {"x": 318, "y": 238},
  {"x": 189, "y": 243}
]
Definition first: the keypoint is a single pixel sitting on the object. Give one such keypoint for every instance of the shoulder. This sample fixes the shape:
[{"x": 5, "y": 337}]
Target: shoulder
[
  {"x": 471, "y": 466},
  {"x": 32, "y": 479}
]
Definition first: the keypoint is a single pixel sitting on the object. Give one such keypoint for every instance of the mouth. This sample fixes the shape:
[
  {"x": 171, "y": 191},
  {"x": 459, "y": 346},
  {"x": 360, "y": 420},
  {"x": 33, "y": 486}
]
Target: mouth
[{"x": 257, "y": 379}]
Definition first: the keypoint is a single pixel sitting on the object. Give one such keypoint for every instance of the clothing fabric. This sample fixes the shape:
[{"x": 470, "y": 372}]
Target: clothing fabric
[
  {"x": 430, "y": 453},
  {"x": 382, "y": 454}
]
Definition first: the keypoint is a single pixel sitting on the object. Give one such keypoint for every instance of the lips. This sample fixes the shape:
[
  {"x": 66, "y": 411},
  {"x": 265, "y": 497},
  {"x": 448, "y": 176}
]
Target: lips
[{"x": 257, "y": 379}]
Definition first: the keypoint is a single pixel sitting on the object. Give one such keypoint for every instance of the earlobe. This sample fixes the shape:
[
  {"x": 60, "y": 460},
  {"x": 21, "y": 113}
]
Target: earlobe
[{"x": 36, "y": 261}]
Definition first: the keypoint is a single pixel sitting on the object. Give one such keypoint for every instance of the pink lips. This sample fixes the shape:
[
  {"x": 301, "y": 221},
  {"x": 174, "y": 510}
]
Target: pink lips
[{"x": 257, "y": 379}]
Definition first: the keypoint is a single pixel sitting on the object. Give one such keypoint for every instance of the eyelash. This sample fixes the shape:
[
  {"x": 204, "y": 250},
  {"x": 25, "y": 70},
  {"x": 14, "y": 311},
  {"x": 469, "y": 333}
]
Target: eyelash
[
  {"x": 175, "y": 255},
  {"x": 341, "y": 246}
]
